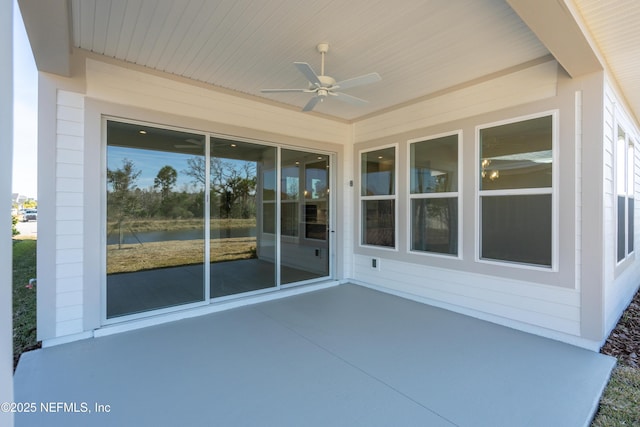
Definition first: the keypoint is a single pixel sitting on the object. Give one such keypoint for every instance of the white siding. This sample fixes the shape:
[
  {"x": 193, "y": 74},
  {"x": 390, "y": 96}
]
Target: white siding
[
  {"x": 501, "y": 300},
  {"x": 621, "y": 281},
  {"x": 69, "y": 212}
]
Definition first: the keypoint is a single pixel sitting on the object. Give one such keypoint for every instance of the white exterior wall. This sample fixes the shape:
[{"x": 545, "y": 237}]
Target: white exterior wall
[
  {"x": 69, "y": 212},
  {"x": 621, "y": 280},
  {"x": 6, "y": 157},
  {"x": 548, "y": 303},
  {"x": 73, "y": 184},
  {"x": 501, "y": 300}
]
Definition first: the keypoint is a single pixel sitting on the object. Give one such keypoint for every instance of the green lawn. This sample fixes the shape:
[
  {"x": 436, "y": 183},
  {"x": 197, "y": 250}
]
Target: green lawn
[
  {"x": 24, "y": 297},
  {"x": 620, "y": 403}
]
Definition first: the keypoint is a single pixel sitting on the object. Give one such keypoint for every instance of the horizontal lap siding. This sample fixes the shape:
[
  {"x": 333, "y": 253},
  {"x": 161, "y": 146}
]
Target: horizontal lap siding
[
  {"x": 531, "y": 303},
  {"x": 620, "y": 281},
  {"x": 69, "y": 212}
]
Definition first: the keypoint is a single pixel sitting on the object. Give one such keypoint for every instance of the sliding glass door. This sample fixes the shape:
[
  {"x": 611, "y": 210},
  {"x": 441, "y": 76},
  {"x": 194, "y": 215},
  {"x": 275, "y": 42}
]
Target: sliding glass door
[
  {"x": 243, "y": 250},
  {"x": 155, "y": 218},
  {"x": 304, "y": 214},
  {"x": 193, "y": 216}
]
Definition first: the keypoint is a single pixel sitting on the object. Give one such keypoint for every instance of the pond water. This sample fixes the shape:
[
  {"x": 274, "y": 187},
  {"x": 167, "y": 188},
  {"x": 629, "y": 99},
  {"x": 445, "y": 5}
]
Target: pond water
[{"x": 163, "y": 236}]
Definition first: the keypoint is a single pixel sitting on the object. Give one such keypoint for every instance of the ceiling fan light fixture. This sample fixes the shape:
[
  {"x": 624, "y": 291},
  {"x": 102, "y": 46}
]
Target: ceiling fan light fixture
[{"x": 322, "y": 85}]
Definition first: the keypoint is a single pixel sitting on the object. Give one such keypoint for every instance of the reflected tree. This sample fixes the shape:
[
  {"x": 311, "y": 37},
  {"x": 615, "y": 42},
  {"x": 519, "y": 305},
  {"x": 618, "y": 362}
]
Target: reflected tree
[
  {"x": 232, "y": 183},
  {"x": 121, "y": 200}
]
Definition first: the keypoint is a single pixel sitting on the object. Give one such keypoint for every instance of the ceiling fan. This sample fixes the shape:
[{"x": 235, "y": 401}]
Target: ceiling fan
[{"x": 322, "y": 86}]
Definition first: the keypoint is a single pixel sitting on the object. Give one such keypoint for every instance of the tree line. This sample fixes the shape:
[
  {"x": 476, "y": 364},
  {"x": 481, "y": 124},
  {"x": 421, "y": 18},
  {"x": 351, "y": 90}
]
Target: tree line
[{"x": 232, "y": 191}]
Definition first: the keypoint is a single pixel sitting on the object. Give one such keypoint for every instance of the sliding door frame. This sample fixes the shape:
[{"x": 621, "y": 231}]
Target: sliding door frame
[{"x": 331, "y": 226}]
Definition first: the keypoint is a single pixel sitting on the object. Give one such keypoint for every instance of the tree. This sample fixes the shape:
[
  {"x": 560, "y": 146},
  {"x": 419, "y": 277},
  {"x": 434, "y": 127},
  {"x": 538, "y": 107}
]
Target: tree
[
  {"x": 121, "y": 202},
  {"x": 166, "y": 178},
  {"x": 232, "y": 182}
]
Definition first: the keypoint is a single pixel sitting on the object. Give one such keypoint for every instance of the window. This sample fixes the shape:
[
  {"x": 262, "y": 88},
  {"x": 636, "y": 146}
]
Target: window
[
  {"x": 515, "y": 165},
  {"x": 434, "y": 195},
  {"x": 378, "y": 197},
  {"x": 625, "y": 193}
]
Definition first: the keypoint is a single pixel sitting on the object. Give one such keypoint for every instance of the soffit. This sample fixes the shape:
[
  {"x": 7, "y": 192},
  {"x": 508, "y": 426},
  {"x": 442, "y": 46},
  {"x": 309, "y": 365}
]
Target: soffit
[
  {"x": 613, "y": 25},
  {"x": 419, "y": 48}
]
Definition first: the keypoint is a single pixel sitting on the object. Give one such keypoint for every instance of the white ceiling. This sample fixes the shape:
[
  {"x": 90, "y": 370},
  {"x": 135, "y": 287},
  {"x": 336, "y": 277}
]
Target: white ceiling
[
  {"x": 615, "y": 28},
  {"x": 418, "y": 47}
]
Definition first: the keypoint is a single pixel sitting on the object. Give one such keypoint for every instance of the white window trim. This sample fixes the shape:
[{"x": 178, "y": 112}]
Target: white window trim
[
  {"x": 393, "y": 197},
  {"x": 553, "y": 191},
  {"x": 629, "y": 140},
  {"x": 457, "y": 194}
]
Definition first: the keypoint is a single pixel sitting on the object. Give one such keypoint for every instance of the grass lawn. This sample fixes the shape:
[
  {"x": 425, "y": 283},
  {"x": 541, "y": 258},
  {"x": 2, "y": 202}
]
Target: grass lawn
[
  {"x": 24, "y": 297},
  {"x": 620, "y": 403}
]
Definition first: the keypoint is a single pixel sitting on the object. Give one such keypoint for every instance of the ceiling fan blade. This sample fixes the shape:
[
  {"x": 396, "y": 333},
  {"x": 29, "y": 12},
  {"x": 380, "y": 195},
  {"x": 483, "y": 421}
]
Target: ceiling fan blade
[
  {"x": 349, "y": 99},
  {"x": 312, "y": 103},
  {"x": 308, "y": 72},
  {"x": 284, "y": 90},
  {"x": 359, "y": 81}
]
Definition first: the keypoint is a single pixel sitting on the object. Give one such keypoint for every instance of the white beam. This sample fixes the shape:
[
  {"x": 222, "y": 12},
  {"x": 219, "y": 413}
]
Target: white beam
[
  {"x": 6, "y": 159},
  {"x": 48, "y": 26},
  {"x": 558, "y": 29}
]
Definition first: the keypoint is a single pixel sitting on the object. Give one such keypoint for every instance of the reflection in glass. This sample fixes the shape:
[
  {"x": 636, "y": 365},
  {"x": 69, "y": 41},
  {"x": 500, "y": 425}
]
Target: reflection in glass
[
  {"x": 434, "y": 226},
  {"x": 378, "y": 226},
  {"x": 378, "y": 172},
  {"x": 434, "y": 165},
  {"x": 242, "y": 181},
  {"x": 517, "y": 155},
  {"x": 304, "y": 207},
  {"x": 155, "y": 219},
  {"x": 517, "y": 228}
]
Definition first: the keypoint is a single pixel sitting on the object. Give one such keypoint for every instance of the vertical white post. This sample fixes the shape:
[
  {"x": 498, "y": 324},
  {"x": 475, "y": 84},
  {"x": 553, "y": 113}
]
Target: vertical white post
[{"x": 6, "y": 159}]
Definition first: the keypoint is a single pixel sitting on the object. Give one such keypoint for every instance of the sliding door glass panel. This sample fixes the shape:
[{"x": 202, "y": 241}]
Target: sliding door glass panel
[
  {"x": 304, "y": 216},
  {"x": 155, "y": 218},
  {"x": 242, "y": 199}
]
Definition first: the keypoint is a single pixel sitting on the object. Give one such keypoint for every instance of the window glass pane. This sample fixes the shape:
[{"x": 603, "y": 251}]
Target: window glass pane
[
  {"x": 304, "y": 244},
  {"x": 434, "y": 226},
  {"x": 242, "y": 223},
  {"x": 155, "y": 218},
  {"x": 621, "y": 227},
  {"x": 434, "y": 165},
  {"x": 378, "y": 172},
  {"x": 517, "y": 155},
  {"x": 621, "y": 174},
  {"x": 630, "y": 231},
  {"x": 378, "y": 226},
  {"x": 630, "y": 169},
  {"x": 517, "y": 228}
]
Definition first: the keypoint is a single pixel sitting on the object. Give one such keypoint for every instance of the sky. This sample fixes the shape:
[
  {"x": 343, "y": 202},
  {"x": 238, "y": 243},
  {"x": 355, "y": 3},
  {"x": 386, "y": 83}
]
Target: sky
[{"x": 25, "y": 112}]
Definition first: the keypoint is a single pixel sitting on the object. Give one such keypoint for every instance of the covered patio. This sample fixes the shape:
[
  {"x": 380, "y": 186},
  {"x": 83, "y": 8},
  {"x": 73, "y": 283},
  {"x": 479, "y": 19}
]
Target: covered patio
[{"x": 342, "y": 356}]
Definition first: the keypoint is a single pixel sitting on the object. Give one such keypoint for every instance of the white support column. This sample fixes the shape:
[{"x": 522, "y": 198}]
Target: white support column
[{"x": 6, "y": 159}]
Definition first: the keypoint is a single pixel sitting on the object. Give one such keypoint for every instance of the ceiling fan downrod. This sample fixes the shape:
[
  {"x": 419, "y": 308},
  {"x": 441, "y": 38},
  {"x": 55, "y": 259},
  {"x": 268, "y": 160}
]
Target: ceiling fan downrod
[{"x": 322, "y": 48}]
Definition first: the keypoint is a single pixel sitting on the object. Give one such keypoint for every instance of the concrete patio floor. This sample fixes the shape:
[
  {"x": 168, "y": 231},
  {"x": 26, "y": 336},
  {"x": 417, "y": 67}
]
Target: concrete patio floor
[{"x": 343, "y": 356}]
